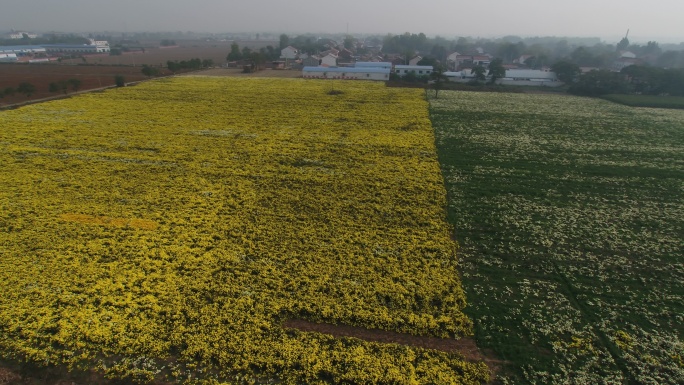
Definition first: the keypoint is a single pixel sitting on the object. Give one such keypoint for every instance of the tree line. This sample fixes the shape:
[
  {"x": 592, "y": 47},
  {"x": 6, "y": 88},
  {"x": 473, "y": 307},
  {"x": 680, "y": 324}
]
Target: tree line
[{"x": 642, "y": 80}]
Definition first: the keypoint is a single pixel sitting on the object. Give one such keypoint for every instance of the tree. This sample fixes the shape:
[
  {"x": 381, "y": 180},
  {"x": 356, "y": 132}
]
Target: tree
[
  {"x": 601, "y": 82},
  {"x": 119, "y": 81},
  {"x": 496, "y": 70},
  {"x": 438, "y": 79},
  {"x": 54, "y": 87},
  {"x": 566, "y": 72},
  {"x": 9, "y": 91},
  {"x": 479, "y": 72},
  {"x": 284, "y": 41},
  {"x": 439, "y": 52},
  {"x": 623, "y": 44},
  {"x": 235, "y": 53},
  {"x": 173, "y": 66},
  {"x": 75, "y": 83},
  {"x": 246, "y": 51},
  {"x": 206, "y": 63},
  {"x": 429, "y": 61},
  {"x": 150, "y": 71},
  {"x": 26, "y": 88},
  {"x": 257, "y": 60},
  {"x": 349, "y": 42}
]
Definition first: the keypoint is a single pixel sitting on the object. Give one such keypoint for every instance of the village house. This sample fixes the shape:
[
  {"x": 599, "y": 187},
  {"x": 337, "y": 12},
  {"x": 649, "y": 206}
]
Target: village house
[
  {"x": 311, "y": 61},
  {"x": 451, "y": 61},
  {"x": 414, "y": 61},
  {"x": 289, "y": 52},
  {"x": 329, "y": 60}
]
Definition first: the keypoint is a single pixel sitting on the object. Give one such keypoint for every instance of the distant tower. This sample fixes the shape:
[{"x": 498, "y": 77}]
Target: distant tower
[{"x": 624, "y": 43}]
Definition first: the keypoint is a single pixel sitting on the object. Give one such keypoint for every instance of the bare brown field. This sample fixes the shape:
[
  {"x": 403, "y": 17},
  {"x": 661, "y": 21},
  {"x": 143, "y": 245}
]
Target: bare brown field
[
  {"x": 41, "y": 75},
  {"x": 156, "y": 56}
]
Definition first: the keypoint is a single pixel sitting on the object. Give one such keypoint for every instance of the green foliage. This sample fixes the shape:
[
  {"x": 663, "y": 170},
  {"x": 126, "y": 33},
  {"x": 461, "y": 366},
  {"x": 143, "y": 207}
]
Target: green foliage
[
  {"x": 167, "y": 43},
  {"x": 184, "y": 65},
  {"x": 349, "y": 42},
  {"x": 75, "y": 83},
  {"x": 438, "y": 79},
  {"x": 235, "y": 53},
  {"x": 572, "y": 265},
  {"x": 26, "y": 88},
  {"x": 566, "y": 71},
  {"x": 284, "y": 41},
  {"x": 652, "y": 101},
  {"x": 429, "y": 61},
  {"x": 63, "y": 85},
  {"x": 119, "y": 80},
  {"x": 632, "y": 79},
  {"x": 480, "y": 73},
  {"x": 496, "y": 70},
  {"x": 54, "y": 87},
  {"x": 405, "y": 43},
  {"x": 600, "y": 82},
  {"x": 149, "y": 71}
]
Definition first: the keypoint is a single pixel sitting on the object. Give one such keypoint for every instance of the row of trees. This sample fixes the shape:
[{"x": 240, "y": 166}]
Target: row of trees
[
  {"x": 262, "y": 55},
  {"x": 25, "y": 88},
  {"x": 176, "y": 66},
  {"x": 64, "y": 85},
  {"x": 585, "y": 52},
  {"x": 28, "y": 89},
  {"x": 634, "y": 79},
  {"x": 642, "y": 80}
]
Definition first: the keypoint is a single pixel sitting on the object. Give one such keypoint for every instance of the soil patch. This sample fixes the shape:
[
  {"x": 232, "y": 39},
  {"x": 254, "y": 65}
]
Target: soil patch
[{"x": 464, "y": 346}]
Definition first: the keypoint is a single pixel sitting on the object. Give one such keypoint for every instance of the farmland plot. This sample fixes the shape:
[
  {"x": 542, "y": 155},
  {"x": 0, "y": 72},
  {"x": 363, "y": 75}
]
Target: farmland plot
[
  {"x": 167, "y": 231},
  {"x": 570, "y": 217}
]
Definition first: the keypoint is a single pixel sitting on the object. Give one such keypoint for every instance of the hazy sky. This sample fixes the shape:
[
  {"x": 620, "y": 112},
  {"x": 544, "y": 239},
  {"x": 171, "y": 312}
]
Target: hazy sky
[{"x": 660, "y": 20}]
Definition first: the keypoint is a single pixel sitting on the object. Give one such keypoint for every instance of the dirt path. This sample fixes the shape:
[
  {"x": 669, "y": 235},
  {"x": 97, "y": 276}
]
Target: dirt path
[{"x": 464, "y": 346}]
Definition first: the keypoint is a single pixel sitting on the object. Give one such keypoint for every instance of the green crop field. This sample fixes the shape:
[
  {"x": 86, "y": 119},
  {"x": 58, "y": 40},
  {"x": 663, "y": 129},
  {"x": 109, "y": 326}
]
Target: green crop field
[{"x": 570, "y": 215}]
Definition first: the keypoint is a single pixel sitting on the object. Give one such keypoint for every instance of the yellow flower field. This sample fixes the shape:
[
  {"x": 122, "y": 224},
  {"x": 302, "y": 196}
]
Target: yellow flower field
[{"x": 165, "y": 231}]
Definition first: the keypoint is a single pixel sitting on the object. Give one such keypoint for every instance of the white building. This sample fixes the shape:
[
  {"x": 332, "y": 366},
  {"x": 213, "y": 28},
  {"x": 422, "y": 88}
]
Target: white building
[
  {"x": 518, "y": 77},
  {"x": 329, "y": 60},
  {"x": 452, "y": 60},
  {"x": 628, "y": 54},
  {"x": 8, "y": 57},
  {"x": 289, "y": 52},
  {"x": 403, "y": 70},
  {"x": 72, "y": 48},
  {"x": 347, "y": 73},
  {"x": 529, "y": 77},
  {"x": 102, "y": 45},
  {"x": 20, "y": 35},
  {"x": 22, "y": 49}
]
